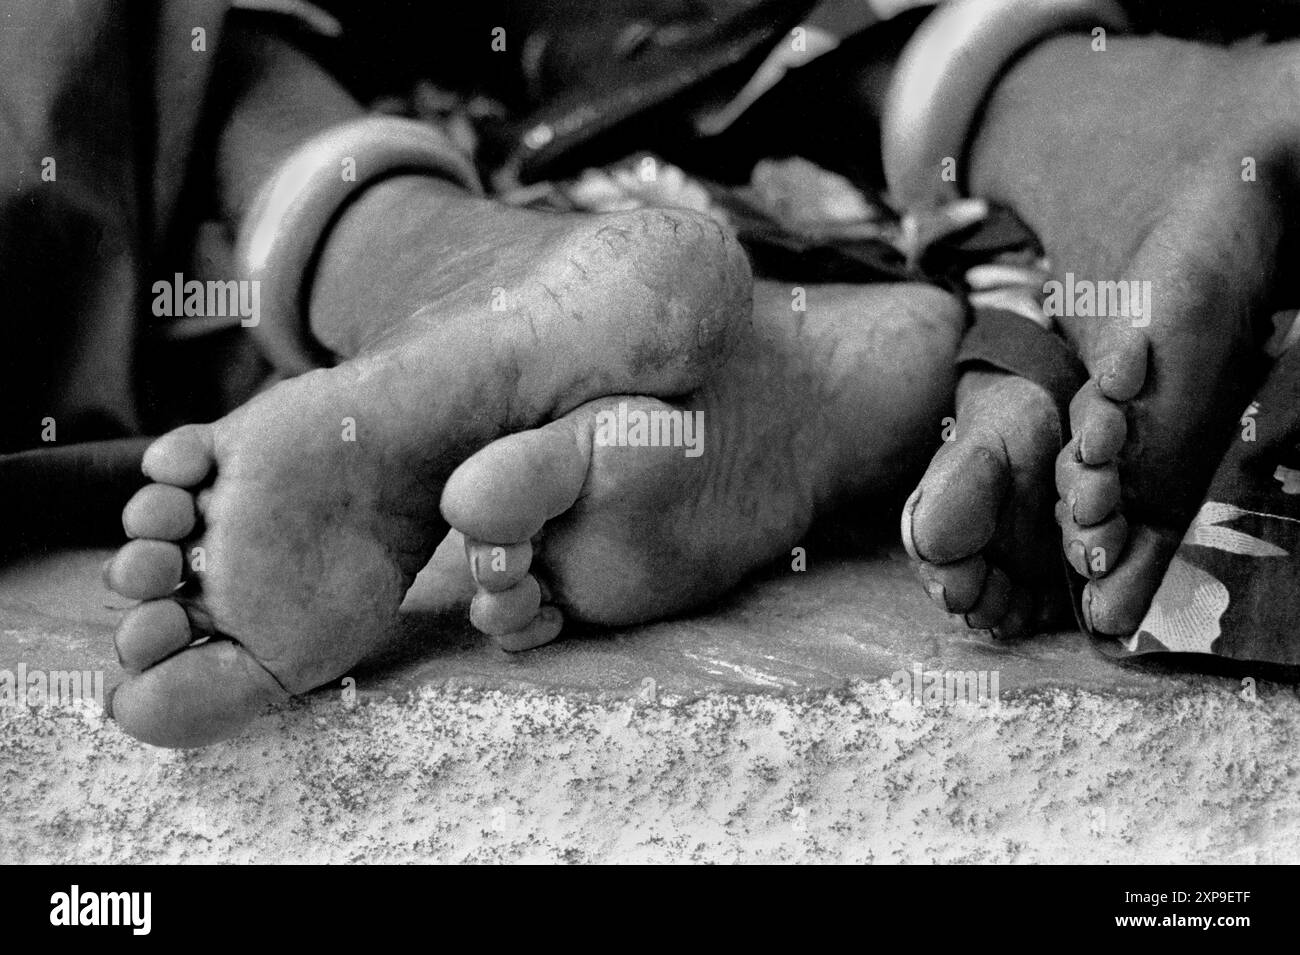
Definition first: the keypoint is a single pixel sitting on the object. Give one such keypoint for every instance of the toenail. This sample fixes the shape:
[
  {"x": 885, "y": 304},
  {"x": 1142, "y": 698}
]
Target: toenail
[
  {"x": 909, "y": 508},
  {"x": 938, "y": 593},
  {"x": 1085, "y": 609}
]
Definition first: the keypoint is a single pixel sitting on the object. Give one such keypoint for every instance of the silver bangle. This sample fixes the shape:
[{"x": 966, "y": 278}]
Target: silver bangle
[
  {"x": 286, "y": 224},
  {"x": 946, "y": 72}
]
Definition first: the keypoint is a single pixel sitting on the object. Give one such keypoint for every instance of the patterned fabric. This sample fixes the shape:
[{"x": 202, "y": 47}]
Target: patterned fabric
[
  {"x": 1231, "y": 590},
  {"x": 93, "y": 160}
]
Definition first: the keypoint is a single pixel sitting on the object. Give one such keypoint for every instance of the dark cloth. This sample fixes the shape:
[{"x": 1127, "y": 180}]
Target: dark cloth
[
  {"x": 114, "y": 93},
  {"x": 100, "y": 104},
  {"x": 104, "y": 99},
  {"x": 1012, "y": 343}
]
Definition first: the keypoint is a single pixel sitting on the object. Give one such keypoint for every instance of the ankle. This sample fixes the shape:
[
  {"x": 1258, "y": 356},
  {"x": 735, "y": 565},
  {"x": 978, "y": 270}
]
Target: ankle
[
  {"x": 1047, "y": 130},
  {"x": 364, "y": 281}
]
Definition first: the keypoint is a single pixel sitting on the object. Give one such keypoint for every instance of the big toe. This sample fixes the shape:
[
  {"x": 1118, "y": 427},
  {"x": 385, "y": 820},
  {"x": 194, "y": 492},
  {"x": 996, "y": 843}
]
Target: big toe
[
  {"x": 505, "y": 493},
  {"x": 953, "y": 513},
  {"x": 1121, "y": 369},
  {"x": 1098, "y": 424},
  {"x": 199, "y": 696}
]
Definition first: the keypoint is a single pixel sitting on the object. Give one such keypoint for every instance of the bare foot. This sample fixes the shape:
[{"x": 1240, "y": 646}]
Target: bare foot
[
  {"x": 299, "y": 521},
  {"x": 979, "y": 523},
  {"x": 814, "y": 409},
  {"x": 1166, "y": 166},
  {"x": 1200, "y": 232},
  {"x": 1143, "y": 451}
]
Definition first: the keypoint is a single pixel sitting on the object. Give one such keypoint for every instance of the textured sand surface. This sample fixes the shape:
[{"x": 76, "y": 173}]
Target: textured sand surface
[{"x": 770, "y": 732}]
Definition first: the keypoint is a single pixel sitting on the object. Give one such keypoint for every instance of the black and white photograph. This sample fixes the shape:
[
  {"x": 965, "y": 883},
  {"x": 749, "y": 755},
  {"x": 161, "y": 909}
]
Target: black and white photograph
[{"x": 662, "y": 432}]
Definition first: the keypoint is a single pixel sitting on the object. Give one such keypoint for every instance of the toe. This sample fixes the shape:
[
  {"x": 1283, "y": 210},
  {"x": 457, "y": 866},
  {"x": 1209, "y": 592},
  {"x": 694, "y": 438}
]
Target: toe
[
  {"x": 1098, "y": 424},
  {"x": 200, "y": 696},
  {"x": 544, "y": 628},
  {"x": 1020, "y": 620},
  {"x": 953, "y": 513},
  {"x": 183, "y": 457},
  {"x": 1116, "y": 604},
  {"x": 1122, "y": 370},
  {"x": 508, "y": 490},
  {"x": 496, "y": 567},
  {"x": 1093, "y": 551},
  {"x": 151, "y": 632},
  {"x": 508, "y": 610},
  {"x": 144, "y": 569},
  {"x": 160, "y": 511},
  {"x": 954, "y": 587},
  {"x": 1090, "y": 494},
  {"x": 994, "y": 602}
]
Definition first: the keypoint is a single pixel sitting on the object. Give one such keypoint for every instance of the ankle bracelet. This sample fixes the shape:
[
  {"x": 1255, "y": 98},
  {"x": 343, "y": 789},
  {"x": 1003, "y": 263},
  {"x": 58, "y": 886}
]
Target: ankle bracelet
[{"x": 946, "y": 73}]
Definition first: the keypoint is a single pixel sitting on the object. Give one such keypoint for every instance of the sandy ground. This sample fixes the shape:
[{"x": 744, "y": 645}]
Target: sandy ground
[{"x": 765, "y": 730}]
